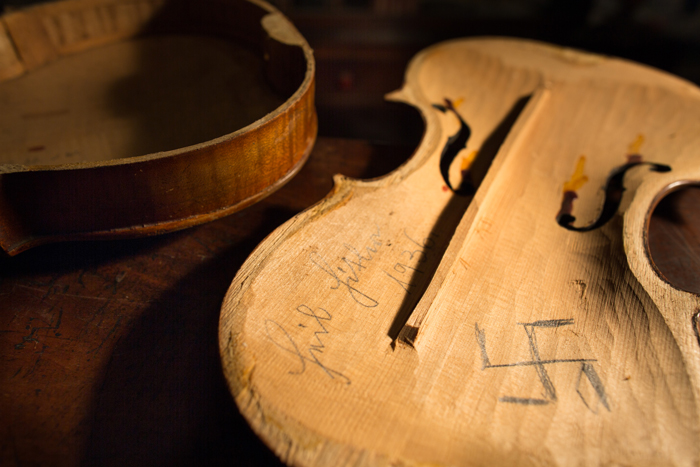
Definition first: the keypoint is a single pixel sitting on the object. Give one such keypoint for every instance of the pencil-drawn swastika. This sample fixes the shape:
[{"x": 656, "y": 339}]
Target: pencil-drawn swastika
[{"x": 549, "y": 394}]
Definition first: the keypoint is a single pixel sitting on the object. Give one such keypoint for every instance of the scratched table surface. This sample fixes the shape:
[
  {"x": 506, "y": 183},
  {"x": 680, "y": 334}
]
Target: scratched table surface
[{"x": 108, "y": 350}]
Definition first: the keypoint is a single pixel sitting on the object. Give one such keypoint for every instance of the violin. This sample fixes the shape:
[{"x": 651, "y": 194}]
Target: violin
[{"x": 493, "y": 300}]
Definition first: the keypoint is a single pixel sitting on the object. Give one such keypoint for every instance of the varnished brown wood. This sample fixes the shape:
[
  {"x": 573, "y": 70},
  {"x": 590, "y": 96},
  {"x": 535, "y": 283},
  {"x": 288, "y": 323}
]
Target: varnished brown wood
[
  {"x": 146, "y": 116},
  {"x": 395, "y": 323}
]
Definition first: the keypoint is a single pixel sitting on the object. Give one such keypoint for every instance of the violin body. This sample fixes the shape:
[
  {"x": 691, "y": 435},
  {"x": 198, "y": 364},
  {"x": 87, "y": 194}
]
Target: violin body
[
  {"x": 133, "y": 118},
  {"x": 405, "y": 321}
]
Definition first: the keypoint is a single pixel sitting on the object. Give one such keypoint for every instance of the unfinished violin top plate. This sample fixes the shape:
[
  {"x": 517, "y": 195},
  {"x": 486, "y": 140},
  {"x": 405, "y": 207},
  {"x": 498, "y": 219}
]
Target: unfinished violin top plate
[
  {"x": 138, "y": 117},
  {"x": 491, "y": 302}
]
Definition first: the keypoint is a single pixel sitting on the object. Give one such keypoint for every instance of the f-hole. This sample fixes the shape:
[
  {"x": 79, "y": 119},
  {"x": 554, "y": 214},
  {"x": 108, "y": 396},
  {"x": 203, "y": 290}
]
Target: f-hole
[{"x": 614, "y": 187}]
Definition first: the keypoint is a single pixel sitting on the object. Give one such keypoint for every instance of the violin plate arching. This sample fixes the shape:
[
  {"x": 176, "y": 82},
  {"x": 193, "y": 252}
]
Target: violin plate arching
[{"x": 533, "y": 343}]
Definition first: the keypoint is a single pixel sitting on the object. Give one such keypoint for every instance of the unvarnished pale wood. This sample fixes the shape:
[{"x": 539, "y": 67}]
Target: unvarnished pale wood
[
  {"x": 127, "y": 118},
  {"x": 533, "y": 344}
]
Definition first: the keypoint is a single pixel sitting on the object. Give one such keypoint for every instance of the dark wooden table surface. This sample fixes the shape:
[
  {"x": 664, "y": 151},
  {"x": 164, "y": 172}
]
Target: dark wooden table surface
[{"x": 108, "y": 350}]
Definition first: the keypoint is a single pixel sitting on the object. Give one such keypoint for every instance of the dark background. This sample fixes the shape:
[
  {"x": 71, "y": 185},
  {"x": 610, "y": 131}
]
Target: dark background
[{"x": 362, "y": 46}]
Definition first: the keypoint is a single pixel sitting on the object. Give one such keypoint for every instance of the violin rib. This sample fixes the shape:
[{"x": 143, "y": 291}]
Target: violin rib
[{"x": 125, "y": 119}]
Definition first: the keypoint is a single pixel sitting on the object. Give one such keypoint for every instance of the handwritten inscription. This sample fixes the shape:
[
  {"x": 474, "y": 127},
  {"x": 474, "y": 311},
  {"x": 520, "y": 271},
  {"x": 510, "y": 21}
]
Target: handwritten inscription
[
  {"x": 411, "y": 262},
  {"x": 347, "y": 275},
  {"x": 310, "y": 324},
  {"x": 540, "y": 366},
  {"x": 305, "y": 341}
]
